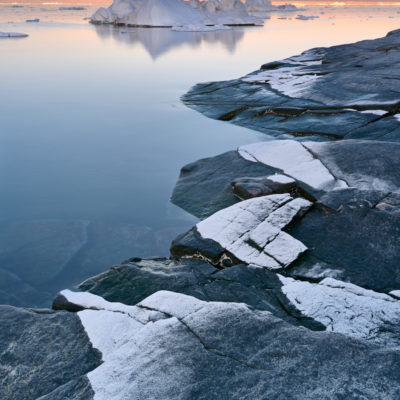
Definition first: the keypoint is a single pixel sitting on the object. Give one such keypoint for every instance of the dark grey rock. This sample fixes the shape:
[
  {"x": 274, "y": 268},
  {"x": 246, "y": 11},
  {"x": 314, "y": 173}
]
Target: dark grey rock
[
  {"x": 133, "y": 281},
  {"x": 342, "y": 82},
  {"x": 259, "y": 357},
  {"x": 230, "y": 351},
  {"x": 248, "y": 187},
  {"x": 367, "y": 165},
  {"x": 42, "y": 351},
  {"x": 357, "y": 237},
  {"x": 204, "y": 186},
  {"x": 76, "y": 389}
]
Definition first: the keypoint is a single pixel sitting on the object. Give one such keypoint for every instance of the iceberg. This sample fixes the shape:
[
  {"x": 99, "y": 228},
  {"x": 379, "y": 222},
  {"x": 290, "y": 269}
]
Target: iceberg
[
  {"x": 175, "y": 13},
  {"x": 259, "y": 5}
]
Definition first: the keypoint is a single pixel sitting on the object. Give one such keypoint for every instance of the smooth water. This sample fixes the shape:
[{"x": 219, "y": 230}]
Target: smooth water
[{"x": 93, "y": 133}]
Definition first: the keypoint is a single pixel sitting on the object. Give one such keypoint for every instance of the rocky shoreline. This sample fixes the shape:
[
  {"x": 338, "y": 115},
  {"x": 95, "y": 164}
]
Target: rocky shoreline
[{"x": 288, "y": 287}]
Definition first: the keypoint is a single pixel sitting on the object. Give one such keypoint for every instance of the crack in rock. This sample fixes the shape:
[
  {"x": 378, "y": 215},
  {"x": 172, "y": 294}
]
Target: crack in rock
[{"x": 252, "y": 230}]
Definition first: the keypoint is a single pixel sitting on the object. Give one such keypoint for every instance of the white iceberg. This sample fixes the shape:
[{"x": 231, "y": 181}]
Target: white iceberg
[
  {"x": 261, "y": 8},
  {"x": 175, "y": 13},
  {"x": 259, "y": 5}
]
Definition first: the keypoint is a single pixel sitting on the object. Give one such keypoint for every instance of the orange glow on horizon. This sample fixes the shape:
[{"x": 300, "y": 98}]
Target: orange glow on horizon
[{"x": 353, "y": 3}]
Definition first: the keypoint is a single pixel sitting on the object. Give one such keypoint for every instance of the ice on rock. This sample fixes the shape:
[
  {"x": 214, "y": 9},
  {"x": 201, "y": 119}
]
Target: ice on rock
[
  {"x": 190, "y": 15},
  {"x": 91, "y": 301},
  {"x": 346, "y": 308},
  {"x": 376, "y": 112},
  {"x": 294, "y": 160},
  {"x": 279, "y": 178},
  {"x": 174, "y": 304},
  {"x": 126, "y": 344},
  {"x": 293, "y": 80},
  {"x": 252, "y": 230},
  {"x": 395, "y": 293}
]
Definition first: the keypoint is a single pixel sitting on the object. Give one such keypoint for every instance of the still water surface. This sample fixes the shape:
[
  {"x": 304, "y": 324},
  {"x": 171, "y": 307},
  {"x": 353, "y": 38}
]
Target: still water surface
[{"x": 93, "y": 134}]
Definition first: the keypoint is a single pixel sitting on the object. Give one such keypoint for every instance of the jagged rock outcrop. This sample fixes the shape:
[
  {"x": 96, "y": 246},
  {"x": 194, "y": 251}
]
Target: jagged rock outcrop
[
  {"x": 170, "y": 345},
  {"x": 341, "y": 92},
  {"x": 351, "y": 232},
  {"x": 250, "y": 232},
  {"x": 290, "y": 293}
]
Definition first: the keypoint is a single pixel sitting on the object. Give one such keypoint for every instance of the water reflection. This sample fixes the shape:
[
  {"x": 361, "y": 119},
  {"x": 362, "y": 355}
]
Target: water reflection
[{"x": 159, "y": 41}]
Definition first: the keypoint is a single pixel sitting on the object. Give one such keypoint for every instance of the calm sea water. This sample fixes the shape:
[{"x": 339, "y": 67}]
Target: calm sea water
[{"x": 93, "y": 133}]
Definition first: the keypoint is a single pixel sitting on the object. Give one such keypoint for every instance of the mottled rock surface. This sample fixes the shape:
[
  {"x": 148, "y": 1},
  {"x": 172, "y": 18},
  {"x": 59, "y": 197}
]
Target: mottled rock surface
[
  {"x": 44, "y": 353},
  {"x": 171, "y": 346},
  {"x": 204, "y": 186},
  {"x": 133, "y": 280},
  {"x": 250, "y": 232},
  {"x": 342, "y": 92},
  {"x": 356, "y": 239}
]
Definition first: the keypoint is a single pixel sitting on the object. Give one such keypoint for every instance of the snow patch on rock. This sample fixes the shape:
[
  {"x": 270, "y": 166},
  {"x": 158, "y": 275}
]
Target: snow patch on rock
[
  {"x": 279, "y": 178},
  {"x": 252, "y": 230},
  {"x": 91, "y": 301},
  {"x": 395, "y": 293},
  {"x": 376, "y": 112},
  {"x": 294, "y": 160},
  {"x": 293, "y": 78},
  {"x": 131, "y": 350},
  {"x": 346, "y": 308}
]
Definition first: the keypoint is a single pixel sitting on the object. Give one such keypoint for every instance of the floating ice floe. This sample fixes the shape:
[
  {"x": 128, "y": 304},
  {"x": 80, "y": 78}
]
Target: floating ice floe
[
  {"x": 346, "y": 308},
  {"x": 200, "y": 28},
  {"x": 72, "y": 8},
  {"x": 13, "y": 35},
  {"x": 174, "y": 13},
  {"x": 293, "y": 159},
  {"x": 252, "y": 230},
  {"x": 306, "y": 17}
]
